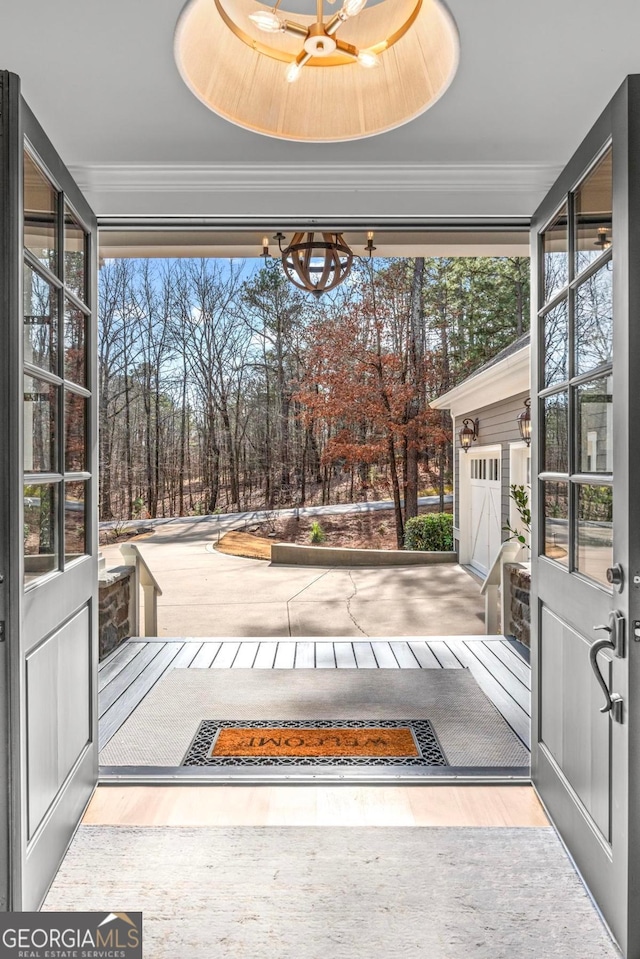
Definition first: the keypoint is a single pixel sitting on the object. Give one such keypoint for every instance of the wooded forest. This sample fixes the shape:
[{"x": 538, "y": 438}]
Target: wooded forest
[{"x": 224, "y": 388}]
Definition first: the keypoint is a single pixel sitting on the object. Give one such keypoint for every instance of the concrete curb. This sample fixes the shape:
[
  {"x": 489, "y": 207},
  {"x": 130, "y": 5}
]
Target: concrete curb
[{"x": 288, "y": 554}]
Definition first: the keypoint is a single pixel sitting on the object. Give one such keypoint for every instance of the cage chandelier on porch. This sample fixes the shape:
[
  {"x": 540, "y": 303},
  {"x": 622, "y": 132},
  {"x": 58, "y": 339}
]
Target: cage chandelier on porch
[
  {"x": 236, "y": 56},
  {"x": 313, "y": 264}
]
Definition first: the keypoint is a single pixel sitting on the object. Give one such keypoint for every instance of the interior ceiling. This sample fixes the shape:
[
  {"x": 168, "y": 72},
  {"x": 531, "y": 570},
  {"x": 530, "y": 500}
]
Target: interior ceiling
[{"x": 532, "y": 79}]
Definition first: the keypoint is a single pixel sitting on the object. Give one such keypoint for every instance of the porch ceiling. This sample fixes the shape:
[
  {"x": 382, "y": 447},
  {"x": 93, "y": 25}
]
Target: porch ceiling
[{"x": 532, "y": 79}]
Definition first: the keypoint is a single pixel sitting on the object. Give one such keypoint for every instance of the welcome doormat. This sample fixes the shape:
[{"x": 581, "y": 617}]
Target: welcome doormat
[
  {"x": 320, "y": 742},
  {"x": 336, "y": 741}
]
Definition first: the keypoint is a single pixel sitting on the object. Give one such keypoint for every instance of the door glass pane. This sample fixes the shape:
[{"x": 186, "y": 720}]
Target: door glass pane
[
  {"x": 75, "y": 343},
  {"x": 40, "y": 530},
  {"x": 74, "y": 520},
  {"x": 40, "y": 215},
  {"x": 40, "y": 401},
  {"x": 555, "y": 501},
  {"x": 594, "y": 403},
  {"x": 556, "y": 433},
  {"x": 75, "y": 432},
  {"x": 40, "y": 322},
  {"x": 594, "y": 321},
  {"x": 593, "y": 216},
  {"x": 75, "y": 244},
  {"x": 555, "y": 255},
  {"x": 556, "y": 345},
  {"x": 594, "y": 551}
]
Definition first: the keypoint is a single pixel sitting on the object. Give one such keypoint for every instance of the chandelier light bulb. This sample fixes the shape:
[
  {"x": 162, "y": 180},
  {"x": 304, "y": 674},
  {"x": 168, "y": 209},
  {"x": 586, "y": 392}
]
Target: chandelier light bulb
[
  {"x": 366, "y": 58},
  {"x": 267, "y": 21},
  {"x": 293, "y": 72},
  {"x": 351, "y": 8},
  {"x": 370, "y": 247}
]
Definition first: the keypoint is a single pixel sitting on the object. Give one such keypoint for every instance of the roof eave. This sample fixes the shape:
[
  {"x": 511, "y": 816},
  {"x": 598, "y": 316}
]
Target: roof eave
[{"x": 504, "y": 379}]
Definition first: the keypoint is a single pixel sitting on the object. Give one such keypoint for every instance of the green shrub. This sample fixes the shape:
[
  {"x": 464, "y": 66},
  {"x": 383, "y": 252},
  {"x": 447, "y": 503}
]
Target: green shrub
[
  {"x": 317, "y": 534},
  {"x": 431, "y": 532}
]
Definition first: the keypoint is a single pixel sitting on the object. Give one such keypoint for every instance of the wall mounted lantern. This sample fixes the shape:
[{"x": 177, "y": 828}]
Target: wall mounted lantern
[
  {"x": 524, "y": 422},
  {"x": 469, "y": 433}
]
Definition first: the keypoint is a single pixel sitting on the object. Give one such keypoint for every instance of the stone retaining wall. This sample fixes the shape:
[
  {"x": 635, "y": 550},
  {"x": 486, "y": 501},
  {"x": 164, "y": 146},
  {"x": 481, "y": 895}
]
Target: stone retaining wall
[
  {"x": 114, "y": 593},
  {"x": 291, "y": 554},
  {"x": 519, "y": 578}
]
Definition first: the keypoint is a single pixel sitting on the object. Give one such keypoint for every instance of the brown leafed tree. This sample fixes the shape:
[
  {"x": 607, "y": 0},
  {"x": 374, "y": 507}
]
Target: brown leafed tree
[{"x": 364, "y": 368}]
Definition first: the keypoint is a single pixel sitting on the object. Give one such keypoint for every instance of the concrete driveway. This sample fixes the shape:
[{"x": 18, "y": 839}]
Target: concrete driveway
[{"x": 206, "y": 593}]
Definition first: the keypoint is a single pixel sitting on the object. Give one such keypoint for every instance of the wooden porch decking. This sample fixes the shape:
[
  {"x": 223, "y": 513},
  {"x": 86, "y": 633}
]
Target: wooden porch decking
[{"x": 497, "y": 664}]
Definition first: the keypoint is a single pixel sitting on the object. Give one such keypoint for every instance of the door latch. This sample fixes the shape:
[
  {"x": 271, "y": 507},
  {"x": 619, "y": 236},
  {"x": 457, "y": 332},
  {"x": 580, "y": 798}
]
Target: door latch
[{"x": 617, "y": 708}]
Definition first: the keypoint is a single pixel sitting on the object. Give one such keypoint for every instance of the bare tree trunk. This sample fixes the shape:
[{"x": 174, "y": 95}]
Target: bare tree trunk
[
  {"x": 395, "y": 482},
  {"x": 234, "y": 487},
  {"x": 127, "y": 440},
  {"x": 283, "y": 400},
  {"x": 519, "y": 308},
  {"x": 183, "y": 441},
  {"x": 157, "y": 445},
  {"x": 441, "y": 461},
  {"x": 151, "y": 506},
  {"x": 211, "y": 478},
  {"x": 415, "y": 377},
  {"x": 106, "y": 508}
]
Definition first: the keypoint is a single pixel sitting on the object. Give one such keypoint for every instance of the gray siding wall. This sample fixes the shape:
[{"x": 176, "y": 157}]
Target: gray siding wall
[{"x": 498, "y": 425}]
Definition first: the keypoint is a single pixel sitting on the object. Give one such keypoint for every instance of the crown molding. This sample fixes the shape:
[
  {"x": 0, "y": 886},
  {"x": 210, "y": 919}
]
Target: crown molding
[{"x": 212, "y": 178}]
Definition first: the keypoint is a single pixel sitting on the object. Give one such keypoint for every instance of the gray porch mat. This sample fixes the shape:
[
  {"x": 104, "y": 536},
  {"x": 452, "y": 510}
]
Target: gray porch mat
[
  {"x": 348, "y": 893},
  {"x": 469, "y": 728}
]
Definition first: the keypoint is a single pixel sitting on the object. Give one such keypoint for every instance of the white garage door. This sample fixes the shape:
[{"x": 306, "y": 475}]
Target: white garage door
[{"x": 485, "y": 521}]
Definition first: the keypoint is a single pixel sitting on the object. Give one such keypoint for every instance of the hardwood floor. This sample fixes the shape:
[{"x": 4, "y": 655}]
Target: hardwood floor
[
  {"x": 514, "y": 806},
  {"x": 499, "y": 667}
]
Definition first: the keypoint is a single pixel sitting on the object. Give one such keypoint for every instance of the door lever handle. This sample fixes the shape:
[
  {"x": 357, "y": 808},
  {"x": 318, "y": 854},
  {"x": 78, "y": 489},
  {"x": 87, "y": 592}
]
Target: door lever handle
[
  {"x": 615, "y": 642},
  {"x": 596, "y": 648}
]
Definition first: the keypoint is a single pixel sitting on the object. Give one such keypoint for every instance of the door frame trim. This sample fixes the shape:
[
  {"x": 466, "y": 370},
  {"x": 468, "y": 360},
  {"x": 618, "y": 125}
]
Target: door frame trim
[{"x": 11, "y": 599}]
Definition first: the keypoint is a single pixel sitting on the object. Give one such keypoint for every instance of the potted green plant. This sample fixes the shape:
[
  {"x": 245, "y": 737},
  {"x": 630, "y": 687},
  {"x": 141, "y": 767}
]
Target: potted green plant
[{"x": 521, "y": 534}]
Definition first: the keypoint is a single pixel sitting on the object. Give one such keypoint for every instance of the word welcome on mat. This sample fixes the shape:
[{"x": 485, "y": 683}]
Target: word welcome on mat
[
  {"x": 336, "y": 741},
  {"x": 220, "y": 742}
]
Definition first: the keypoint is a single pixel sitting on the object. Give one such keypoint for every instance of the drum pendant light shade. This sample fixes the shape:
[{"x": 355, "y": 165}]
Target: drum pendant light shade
[{"x": 240, "y": 71}]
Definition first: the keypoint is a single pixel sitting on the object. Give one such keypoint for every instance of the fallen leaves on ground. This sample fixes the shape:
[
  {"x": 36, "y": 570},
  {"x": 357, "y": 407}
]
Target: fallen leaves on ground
[{"x": 245, "y": 545}]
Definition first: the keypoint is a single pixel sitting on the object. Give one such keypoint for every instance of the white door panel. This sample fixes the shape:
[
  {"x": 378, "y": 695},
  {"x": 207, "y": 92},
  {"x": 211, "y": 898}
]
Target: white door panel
[{"x": 484, "y": 509}]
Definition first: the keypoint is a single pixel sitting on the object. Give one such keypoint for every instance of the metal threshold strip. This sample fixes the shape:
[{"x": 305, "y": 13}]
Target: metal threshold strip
[{"x": 301, "y": 775}]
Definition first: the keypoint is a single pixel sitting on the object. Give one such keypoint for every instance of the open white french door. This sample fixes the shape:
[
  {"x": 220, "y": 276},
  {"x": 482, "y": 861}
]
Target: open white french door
[
  {"x": 48, "y": 512},
  {"x": 586, "y": 508}
]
